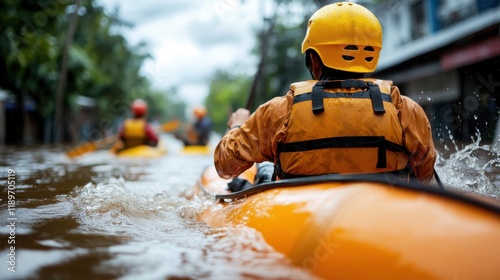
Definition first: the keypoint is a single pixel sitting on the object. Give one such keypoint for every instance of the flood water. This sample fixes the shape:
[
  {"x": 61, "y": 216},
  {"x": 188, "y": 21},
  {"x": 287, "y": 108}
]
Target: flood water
[{"x": 103, "y": 217}]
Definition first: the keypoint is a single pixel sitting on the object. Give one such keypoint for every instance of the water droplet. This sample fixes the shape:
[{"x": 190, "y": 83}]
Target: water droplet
[{"x": 475, "y": 117}]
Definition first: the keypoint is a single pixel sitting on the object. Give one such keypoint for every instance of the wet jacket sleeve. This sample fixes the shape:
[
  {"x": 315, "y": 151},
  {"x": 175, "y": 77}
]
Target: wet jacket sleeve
[
  {"x": 151, "y": 135},
  {"x": 417, "y": 137},
  {"x": 121, "y": 132},
  {"x": 255, "y": 140}
]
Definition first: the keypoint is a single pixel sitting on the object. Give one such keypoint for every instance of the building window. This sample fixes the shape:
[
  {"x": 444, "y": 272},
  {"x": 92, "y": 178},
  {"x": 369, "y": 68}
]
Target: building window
[
  {"x": 418, "y": 20},
  {"x": 452, "y": 11}
]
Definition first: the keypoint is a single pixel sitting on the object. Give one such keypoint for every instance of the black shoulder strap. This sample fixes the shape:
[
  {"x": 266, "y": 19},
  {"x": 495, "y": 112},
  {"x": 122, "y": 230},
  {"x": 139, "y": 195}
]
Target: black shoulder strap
[
  {"x": 376, "y": 97},
  {"x": 318, "y": 93}
]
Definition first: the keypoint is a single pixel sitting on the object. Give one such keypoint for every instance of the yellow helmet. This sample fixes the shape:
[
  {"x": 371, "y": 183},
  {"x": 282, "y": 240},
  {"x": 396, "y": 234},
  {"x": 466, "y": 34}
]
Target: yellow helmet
[{"x": 346, "y": 36}]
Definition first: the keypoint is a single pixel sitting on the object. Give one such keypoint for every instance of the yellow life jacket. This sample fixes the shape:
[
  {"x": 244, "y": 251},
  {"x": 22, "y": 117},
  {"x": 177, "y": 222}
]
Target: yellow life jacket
[
  {"x": 134, "y": 132},
  {"x": 341, "y": 127}
]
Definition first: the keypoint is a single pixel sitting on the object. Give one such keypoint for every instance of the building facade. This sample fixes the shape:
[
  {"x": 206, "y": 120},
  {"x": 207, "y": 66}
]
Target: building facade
[{"x": 445, "y": 54}]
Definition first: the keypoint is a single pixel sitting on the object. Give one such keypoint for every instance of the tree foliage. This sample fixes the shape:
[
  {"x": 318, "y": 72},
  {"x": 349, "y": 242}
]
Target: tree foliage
[
  {"x": 283, "y": 63},
  {"x": 102, "y": 65},
  {"x": 228, "y": 92}
]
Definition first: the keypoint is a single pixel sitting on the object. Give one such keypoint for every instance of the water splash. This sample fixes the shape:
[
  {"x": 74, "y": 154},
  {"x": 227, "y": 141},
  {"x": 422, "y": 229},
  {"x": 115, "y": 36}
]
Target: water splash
[
  {"x": 161, "y": 229},
  {"x": 125, "y": 211},
  {"x": 473, "y": 168}
]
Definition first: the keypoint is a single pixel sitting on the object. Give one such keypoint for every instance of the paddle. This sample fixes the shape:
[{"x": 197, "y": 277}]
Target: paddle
[
  {"x": 99, "y": 144},
  {"x": 91, "y": 146},
  {"x": 170, "y": 126}
]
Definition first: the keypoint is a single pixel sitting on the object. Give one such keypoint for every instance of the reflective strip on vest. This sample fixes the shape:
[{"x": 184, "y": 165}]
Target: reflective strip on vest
[{"x": 342, "y": 127}]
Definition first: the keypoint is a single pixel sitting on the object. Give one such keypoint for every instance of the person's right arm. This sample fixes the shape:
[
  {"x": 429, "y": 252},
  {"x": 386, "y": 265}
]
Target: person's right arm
[
  {"x": 255, "y": 140},
  {"x": 121, "y": 132},
  {"x": 151, "y": 135}
]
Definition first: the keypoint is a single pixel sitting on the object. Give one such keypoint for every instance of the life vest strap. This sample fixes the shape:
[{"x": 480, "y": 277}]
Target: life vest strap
[
  {"x": 341, "y": 142},
  {"x": 359, "y": 94},
  {"x": 346, "y": 142},
  {"x": 402, "y": 175},
  {"x": 368, "y": 90},
  {"x": 376, "y": 96},
  {"x": 317, "y": 99}
]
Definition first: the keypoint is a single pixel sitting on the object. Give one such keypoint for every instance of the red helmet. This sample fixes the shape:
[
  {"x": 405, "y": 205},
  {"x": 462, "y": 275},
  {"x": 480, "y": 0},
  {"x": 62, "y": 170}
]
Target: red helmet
[{"x": 139, "y": 108}]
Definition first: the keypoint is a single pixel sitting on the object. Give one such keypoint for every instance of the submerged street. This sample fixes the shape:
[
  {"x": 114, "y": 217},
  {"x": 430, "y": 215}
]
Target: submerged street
[
  {"x": 103, "y": 217},
  {"x": 392, "y": 83}
]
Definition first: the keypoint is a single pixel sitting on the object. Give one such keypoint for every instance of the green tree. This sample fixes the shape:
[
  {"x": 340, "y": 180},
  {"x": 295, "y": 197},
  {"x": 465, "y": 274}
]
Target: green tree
[
  {"x": 100, "y": 65},
  {"x": 284, "y": 60},
  {"x": 227, "y": 93},
  {"x": 283, "y": 63},
  {"x": 28, "y": 52}
]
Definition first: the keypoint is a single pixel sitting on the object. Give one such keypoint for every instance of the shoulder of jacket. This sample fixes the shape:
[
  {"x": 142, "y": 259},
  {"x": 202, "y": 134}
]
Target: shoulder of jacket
[
  {"x": 385, "y": 85},
  {"x": 304, "y": 86},
  {"x": 409, "y": 103},
  {"x": 379, "y": 81}
]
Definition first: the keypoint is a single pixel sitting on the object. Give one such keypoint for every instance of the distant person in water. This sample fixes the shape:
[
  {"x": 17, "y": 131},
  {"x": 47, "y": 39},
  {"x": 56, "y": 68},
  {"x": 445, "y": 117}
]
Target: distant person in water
[
  {"x": 136, "y": 131},
  {"x": 197, "y": 134}
]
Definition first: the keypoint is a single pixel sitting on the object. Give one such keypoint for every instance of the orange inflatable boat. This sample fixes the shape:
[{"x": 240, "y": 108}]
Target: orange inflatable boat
[{"x": 364, "y": 227}]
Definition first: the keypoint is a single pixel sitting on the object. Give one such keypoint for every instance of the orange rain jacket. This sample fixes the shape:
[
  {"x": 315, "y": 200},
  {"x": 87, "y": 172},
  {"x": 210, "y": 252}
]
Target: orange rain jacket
[{"x": 268, "y": 127}]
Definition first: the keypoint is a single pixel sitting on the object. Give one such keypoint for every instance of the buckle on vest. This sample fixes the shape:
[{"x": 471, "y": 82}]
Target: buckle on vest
[{"x": 317, "y": 99}]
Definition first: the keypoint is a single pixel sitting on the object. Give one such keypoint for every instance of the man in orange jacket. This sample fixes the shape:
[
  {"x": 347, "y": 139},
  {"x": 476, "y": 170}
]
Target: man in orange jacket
[
  {"x": 339, "y": 122},
  {"x": 137, "y": 131}
]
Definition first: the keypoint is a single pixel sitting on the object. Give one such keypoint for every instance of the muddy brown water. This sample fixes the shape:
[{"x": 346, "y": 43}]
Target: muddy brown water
[{"x": 103, "y": 217}]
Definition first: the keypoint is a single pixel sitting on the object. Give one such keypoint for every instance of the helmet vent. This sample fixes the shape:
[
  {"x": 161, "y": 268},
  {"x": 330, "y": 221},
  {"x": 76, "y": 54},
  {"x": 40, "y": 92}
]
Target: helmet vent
[
  {"x": 369, "y": 59},
  {"x": 351, "y": 47},
  {"x": 369, "y": 49},
  {"x": 348, "y": 57}
]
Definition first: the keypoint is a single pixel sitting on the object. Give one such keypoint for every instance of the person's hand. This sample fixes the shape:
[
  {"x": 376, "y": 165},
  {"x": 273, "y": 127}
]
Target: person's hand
[{"x": 238, "y": 118}]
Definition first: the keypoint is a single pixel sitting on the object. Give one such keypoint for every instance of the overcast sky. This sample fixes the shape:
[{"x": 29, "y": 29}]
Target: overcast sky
[{"x": 190, "y": 39}]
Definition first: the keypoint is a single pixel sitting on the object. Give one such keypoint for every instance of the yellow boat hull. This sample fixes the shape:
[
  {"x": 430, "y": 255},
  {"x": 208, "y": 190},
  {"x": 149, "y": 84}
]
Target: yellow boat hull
[
  {"x": 368, "y": 230},
  {"x": 143, "y": 151},
  {"x": 196, "y": 150}
]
